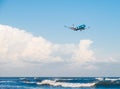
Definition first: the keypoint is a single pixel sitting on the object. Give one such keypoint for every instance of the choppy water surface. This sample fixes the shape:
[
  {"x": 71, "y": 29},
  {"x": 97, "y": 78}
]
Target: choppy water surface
[{"x": 59, "y": 83}]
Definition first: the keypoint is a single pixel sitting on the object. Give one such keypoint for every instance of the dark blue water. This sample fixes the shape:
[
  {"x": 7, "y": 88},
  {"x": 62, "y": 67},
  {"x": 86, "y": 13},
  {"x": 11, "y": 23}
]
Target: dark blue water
[{"x": 59, "y": 83}]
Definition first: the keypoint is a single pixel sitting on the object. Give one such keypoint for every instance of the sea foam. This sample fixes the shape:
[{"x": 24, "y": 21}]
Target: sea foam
[{"x": 64, "y": 84}]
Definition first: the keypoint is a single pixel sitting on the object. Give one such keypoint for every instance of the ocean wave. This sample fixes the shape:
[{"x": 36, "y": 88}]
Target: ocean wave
[
  {"x": 74, "y": 83},
  {"x": 6, "y": 81},
  {"x": 112, "y": 79},
  {"x": 63, "y": 79},
  {"x": 108, "y": 83},
  {"x": 64, "y": 84},
  {"x": 22, "y": 78},
  {"x": 100, "y": 79},
  {"x": 28, "y": 82},
  {"x": 107, "y": 79}
]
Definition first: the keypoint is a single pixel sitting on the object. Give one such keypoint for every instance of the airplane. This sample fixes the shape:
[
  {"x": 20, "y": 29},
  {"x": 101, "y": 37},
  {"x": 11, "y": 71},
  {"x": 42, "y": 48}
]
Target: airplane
[{"x": 80, "y": 27}]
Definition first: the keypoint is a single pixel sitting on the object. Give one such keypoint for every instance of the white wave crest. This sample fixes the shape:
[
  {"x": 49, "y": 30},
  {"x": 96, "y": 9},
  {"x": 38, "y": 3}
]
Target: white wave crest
[
  {"x": 29, "y": 82},
  {"x": 62, "y": 79},
  {"x": 100, "y": 79},
  {"x": 6, "y": 81},
  {"x": 64, "y": 84},
  {"x": 22, "y": 78},
  {"x": 112, "y": 79}
]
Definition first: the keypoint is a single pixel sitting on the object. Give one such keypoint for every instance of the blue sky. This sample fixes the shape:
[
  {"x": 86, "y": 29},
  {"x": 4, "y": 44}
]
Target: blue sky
[{"x": 46, "y": 18}]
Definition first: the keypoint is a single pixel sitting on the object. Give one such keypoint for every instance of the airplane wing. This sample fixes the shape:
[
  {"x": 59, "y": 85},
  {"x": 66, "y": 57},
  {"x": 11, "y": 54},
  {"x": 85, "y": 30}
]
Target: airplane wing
[{"x": 72, "y": 28}]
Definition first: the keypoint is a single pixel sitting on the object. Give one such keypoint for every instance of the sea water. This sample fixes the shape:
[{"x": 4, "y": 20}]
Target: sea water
[{"x": 59, "y": 83}]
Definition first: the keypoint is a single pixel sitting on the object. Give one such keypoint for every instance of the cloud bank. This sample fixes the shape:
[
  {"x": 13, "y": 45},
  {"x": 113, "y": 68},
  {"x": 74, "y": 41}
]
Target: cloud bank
[
  {"x": 17, "y": 46},
  {"x": 23, "y": 54}
]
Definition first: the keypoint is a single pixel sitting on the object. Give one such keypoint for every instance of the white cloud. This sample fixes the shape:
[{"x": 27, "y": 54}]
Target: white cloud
[
  {"x": 82, "y": 52},
  {"x": 21, "y": 51},
  {"x": 107, "y": 59},
  {"x": 17, "y": 45}
]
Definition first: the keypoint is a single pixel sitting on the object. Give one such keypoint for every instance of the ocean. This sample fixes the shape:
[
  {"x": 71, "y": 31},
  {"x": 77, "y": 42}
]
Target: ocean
[{"x": 59, "y": 83}]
